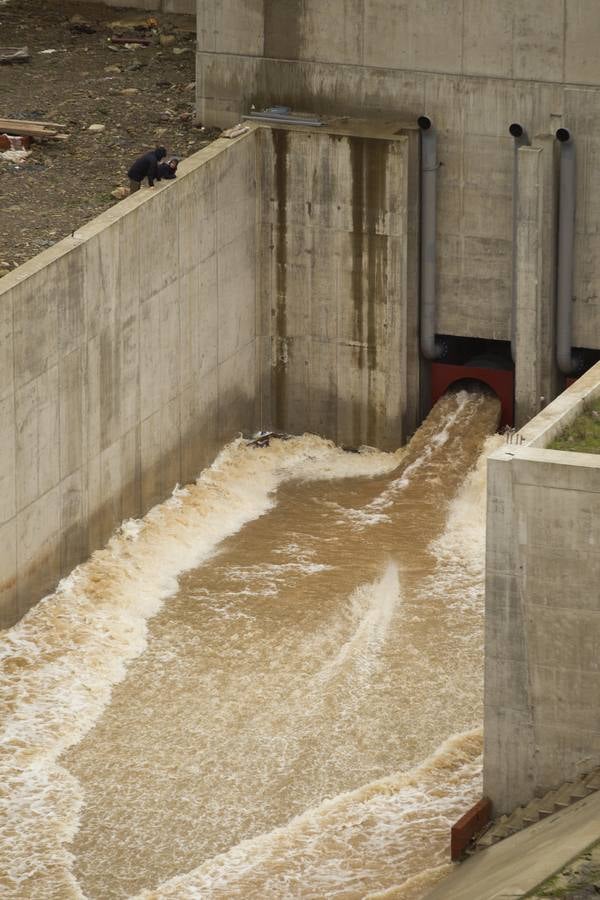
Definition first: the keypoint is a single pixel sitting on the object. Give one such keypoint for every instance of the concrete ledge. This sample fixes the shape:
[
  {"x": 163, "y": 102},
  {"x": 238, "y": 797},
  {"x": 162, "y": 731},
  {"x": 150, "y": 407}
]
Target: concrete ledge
[{"x": 518, "y": 864}]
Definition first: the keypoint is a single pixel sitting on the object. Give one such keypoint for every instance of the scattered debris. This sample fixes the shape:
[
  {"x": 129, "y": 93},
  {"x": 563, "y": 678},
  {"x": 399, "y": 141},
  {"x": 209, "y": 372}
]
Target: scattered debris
[
  {"x": 237, "y": 131},
  {"x": 178, "y": 51},
  {"x": 127, "y": 39},
  {"x": 136, "y": 24},
  {"x": 264, "y": 438},
  {"x": 15, "y": 156},
  {"x": 83, "y": 28},
  {"x": 66, "y": 183},
  {"x": 42, "y": 52},
  {"x": 120, "y": 193},
  {"x": 38, "y": 130},
  {"x": 96, "y": 128},
  {"x": 167, "y": 40},
  {"x": 130, "y": 91},
  {"x": 13, "y": 55},
  {"x": 14, "y": 142}
]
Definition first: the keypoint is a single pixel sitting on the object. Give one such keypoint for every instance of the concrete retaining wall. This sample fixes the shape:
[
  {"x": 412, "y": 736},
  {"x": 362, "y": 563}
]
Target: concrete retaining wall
[
  {"x": 127, "y": 358},
  {"x": 273, "y": 284},
  {"x": 542, "y": 646}
]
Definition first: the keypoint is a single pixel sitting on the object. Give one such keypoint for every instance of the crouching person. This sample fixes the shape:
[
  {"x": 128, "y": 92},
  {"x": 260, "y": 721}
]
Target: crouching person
[
  {"x": 145, "y": 166},
  {"x": 168, "y": 169}
]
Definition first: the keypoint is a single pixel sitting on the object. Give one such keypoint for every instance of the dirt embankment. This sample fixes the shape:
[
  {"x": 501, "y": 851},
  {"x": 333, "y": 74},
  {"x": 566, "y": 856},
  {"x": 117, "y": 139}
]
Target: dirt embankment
[{"x": 143, "y": 97}]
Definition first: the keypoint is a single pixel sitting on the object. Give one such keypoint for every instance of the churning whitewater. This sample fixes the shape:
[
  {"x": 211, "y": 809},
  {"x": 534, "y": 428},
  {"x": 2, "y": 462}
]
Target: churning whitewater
[{"x": 270, "y": 686}]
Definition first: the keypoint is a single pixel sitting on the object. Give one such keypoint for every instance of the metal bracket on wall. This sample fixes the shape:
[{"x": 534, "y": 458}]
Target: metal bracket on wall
[{"x": 284, "y": 115}]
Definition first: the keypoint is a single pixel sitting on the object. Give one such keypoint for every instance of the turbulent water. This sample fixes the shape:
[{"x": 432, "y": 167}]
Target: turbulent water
[{"x": 270, "y": 686}]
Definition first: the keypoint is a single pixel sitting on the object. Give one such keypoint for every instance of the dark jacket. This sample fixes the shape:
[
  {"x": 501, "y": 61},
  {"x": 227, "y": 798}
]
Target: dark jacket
[
  {"x": 165, "y": 171},
  {"x": 146, "y": 166}
]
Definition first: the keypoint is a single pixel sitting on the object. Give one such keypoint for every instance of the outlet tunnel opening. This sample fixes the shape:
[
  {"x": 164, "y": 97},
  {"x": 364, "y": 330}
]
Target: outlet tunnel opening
[{"x": 478, "y": 364}]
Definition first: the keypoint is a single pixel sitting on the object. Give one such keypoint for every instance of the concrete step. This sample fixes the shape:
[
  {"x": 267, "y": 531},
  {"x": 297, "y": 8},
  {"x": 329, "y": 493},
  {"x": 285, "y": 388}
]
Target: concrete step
[
  {"x": 592, "y": 780},
  {"x": 514, "y": 867},
  {"x": 486, "y": 840},
  {"x": 563, "y": 797},
  {"x": 530, "y": 813},
  {"x": 580, "y": 790},
  {"x": 539, "y": 808}
]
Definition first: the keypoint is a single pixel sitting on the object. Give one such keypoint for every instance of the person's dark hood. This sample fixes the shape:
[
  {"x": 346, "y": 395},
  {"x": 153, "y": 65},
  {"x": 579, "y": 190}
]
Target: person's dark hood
[{"x": 160, "y": 153}]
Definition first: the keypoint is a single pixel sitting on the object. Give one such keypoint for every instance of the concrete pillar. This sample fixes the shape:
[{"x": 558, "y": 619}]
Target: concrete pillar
[
  {"x": 508, "y": 777},
  {"x": 534, "y": 308},
  {"x": 528, "y": 283}
]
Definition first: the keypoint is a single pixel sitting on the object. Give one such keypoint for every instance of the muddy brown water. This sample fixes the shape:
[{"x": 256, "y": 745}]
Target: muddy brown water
[{"x": 299, "y": 717}]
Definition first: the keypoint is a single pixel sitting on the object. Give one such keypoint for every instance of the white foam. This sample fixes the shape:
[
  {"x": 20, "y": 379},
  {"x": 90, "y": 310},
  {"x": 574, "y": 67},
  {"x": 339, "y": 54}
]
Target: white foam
[
  {"x": 452, "y": 408},
  {"x": 58, "y": 664},
  {"x": 372, "y": 607},
  {"x": 372, "y": 838},
  {"x": 460, "y": 550}
]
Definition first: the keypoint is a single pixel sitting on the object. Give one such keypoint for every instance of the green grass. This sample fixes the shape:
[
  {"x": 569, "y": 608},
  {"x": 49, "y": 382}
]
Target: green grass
[{"x": 582, "y": 435}]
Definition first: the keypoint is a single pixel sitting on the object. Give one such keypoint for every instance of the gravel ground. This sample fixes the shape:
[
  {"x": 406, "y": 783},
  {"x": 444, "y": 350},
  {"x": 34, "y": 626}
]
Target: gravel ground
[
  {"x": 580, "y": 880},
  {"x": 142, "y": 97}
]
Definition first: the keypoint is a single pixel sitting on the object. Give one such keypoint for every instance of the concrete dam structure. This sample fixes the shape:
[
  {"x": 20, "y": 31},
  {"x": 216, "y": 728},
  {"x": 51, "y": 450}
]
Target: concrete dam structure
[
  {"x": 430, "y": 221},
  {"x": 474, "y": 69}
]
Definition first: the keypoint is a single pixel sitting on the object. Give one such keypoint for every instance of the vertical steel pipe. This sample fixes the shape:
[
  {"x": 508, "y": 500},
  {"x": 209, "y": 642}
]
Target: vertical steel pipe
[
  {"x": 566, "y": 243},
  {"x": 430, "y": 348},
  {"x": 521, "y": 139}
]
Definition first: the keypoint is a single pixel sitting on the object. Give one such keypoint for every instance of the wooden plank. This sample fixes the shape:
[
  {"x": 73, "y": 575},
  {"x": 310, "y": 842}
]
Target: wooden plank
[
  {"x": 28, "y": 131},
  {"x": 34, "y": 122},
  {"x": 130, "y": 39}
]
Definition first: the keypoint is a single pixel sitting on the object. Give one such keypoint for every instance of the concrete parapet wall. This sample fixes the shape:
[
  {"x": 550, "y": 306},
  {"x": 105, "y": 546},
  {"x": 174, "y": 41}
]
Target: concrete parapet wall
[
  {"x": 542, "y": 645},
  {"x": 127, "y": 358}
]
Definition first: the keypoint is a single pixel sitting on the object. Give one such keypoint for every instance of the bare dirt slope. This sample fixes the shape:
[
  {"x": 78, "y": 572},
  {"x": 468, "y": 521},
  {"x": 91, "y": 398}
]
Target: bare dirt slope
[{"x": 143, "y": 97}]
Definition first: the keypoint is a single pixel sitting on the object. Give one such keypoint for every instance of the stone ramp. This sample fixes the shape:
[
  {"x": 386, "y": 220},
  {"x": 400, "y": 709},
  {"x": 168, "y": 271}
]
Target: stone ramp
[{"x": 519, "y": 863}]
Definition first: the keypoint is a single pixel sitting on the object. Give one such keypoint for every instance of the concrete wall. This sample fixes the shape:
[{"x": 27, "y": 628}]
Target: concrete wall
[
  {"x": 542, "y": 609},
  {"x": 473, "y": 66},
  {"x": 127, "y": 358},
  {"x": 273, "y": 284},
  {"x": 338, "y": 291}
]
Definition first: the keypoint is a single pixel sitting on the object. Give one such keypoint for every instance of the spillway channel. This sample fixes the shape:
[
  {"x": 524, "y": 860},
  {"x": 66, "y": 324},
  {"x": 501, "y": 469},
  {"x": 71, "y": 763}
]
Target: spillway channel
[{"x": 269, "y": 687}]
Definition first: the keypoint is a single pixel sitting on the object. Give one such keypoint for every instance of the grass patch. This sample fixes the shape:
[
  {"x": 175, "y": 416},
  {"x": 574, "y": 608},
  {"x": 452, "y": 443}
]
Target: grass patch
[{"x": 583, "y": 434}]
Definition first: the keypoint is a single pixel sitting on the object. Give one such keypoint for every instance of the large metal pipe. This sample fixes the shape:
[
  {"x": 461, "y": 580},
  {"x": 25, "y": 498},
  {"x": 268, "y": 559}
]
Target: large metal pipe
[
  {"x": 430, "y": 348},
  {"x": 566, "y": 242},
  {"x": 521, "y": 139}
]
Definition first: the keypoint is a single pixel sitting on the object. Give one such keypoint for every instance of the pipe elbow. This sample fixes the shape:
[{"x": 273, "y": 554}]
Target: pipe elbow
[
  {"x": 519, "y": 135},
  {"x": 432, "y": 348}
]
